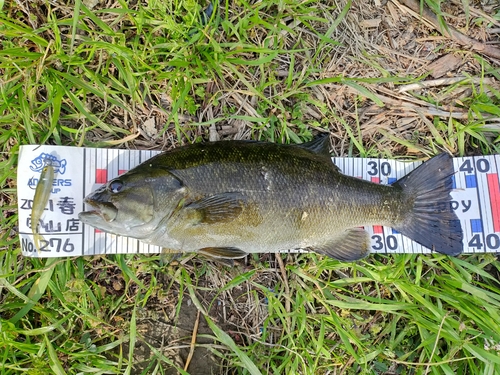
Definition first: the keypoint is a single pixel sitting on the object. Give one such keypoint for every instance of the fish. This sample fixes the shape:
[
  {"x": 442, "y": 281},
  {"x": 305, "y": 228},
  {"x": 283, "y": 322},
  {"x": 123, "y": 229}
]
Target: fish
[
  {"x": 229, "y": 198},
  {"x": 40, "y": 199}
]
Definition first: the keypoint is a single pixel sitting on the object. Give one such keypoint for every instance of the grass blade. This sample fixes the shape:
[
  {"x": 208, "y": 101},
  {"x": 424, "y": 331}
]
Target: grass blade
[
  {"x": 54, "y": 362},
  {"x": 37, "y": 290},
  {"x": 224, "y": 338}
]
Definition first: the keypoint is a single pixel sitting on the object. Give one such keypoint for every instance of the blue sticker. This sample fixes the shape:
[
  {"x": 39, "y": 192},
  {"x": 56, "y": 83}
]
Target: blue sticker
[{"x": 43, "y": 159}]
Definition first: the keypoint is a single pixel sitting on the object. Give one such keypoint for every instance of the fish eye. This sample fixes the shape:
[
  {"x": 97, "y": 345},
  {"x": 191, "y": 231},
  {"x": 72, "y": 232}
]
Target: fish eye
[{"x": 115, "y": 186}]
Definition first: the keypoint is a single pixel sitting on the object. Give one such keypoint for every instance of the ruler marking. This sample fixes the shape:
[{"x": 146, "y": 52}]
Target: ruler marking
[
  {"x": 84, "y": 194},
  {"x": 479, "y": 198},
  {"x": 494, "y": 195},
  {"x": 384, "y": 230},
  {"x": 486, "y": 168}
]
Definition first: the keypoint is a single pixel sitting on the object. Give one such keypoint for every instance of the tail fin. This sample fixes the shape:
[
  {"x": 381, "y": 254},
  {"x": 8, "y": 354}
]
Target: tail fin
[{"x": 432, "y": 223}]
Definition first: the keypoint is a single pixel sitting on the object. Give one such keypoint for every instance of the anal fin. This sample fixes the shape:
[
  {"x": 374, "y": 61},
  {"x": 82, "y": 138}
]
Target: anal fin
[{"x": 353, "y": 245}]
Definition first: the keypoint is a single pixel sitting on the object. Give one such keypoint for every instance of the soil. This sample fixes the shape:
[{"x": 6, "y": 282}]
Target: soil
[
  {"x": 172, "y": 338},
  {"x": 165, "y": 328}
]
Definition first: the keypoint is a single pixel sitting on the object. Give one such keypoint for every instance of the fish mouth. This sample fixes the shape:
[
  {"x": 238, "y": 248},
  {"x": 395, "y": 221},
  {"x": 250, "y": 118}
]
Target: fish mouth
[{"x": 104, "y": 210}]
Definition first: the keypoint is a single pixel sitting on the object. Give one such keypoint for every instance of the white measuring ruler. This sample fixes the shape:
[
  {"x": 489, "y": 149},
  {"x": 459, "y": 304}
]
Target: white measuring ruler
[{"x": 79, "y": 171}]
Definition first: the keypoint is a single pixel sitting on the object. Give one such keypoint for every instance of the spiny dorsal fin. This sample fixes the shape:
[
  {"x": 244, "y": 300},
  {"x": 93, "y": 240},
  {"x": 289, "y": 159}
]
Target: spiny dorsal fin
[{"x": 319, "y": 145}]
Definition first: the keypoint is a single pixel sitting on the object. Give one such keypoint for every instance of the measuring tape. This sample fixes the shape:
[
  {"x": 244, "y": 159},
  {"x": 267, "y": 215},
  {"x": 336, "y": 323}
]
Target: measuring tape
[{"x": 79, "y": 171}]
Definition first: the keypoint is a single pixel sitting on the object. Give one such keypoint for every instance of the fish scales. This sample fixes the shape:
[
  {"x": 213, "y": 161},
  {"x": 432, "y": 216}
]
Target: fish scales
[
  {"x": 236, "y": 197},
  {"x": 302, "y": 192}
]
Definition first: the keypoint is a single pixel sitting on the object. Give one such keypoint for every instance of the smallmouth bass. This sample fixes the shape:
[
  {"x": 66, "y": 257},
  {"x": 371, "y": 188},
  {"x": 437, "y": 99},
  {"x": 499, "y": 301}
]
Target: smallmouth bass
[{"x": 230, "y": 198}]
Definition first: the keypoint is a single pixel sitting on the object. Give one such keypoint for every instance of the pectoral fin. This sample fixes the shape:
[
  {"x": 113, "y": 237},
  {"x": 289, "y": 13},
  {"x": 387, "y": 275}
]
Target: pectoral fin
[
  {"x": 216, "y": 208},
  {"x": 223, "y": 252},
  {"x": 354, "y": 244}
]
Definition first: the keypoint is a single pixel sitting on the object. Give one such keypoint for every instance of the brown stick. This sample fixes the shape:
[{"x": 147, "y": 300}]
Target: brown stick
[
  {"x": 451, "y": 32},
  {"x": 287, "y": 288},
  {"x": 193, "y": 342}
]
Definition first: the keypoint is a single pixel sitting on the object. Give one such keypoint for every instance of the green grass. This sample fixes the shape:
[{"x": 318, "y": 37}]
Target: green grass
[{"x": 276, "y": 71}]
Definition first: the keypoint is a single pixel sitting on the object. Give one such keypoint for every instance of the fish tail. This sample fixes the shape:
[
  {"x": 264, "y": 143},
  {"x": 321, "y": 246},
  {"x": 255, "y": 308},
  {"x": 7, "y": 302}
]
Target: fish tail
[{"x": 431, "y": 221}]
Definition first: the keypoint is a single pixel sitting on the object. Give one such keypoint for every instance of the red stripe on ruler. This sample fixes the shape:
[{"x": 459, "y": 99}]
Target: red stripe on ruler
[
  {"x": 101, "y": 176},
  {"x": 121, "y": 171},
  {"x": 375, "y": 180},
  {"x": 494, "y": 193}
]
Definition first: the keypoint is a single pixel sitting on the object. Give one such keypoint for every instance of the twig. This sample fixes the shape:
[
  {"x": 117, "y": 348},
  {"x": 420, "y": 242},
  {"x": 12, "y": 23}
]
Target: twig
[
  {"x": 413, "y": 105},
  {"x": 493, "y": 127},
  {"x": 287, "y": 288},
  {"x": 193, "y": 341},
  {"x": 428, "y": 367},
  {"x": 430, "y": 363},
  {"x": 451, "y": 32},
  {"x": 396, "y": 98},
  {"x": 243, "y": 103},
  {"x": 431, "y": 112},
  {"x": 433, "y": 83},
  {"x": 128, "y": 138},
  {"x": 487, "y": 17},
  {"x": 28, "y": 13}
]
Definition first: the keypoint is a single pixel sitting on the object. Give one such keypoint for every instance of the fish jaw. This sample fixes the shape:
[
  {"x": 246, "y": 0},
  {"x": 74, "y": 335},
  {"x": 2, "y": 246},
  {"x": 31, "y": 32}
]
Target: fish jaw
[{"x": 102, "y": 212}]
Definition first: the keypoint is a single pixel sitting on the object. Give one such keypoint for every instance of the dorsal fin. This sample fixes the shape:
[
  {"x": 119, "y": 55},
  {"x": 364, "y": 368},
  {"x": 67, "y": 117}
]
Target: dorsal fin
[{"x": 319, "y": 145}]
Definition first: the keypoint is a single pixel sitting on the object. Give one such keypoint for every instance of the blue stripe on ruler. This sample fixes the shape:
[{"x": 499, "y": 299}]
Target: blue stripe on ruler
[
  {"x": 471, "y": 181},
  {"x": 476, "y": 225}
]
